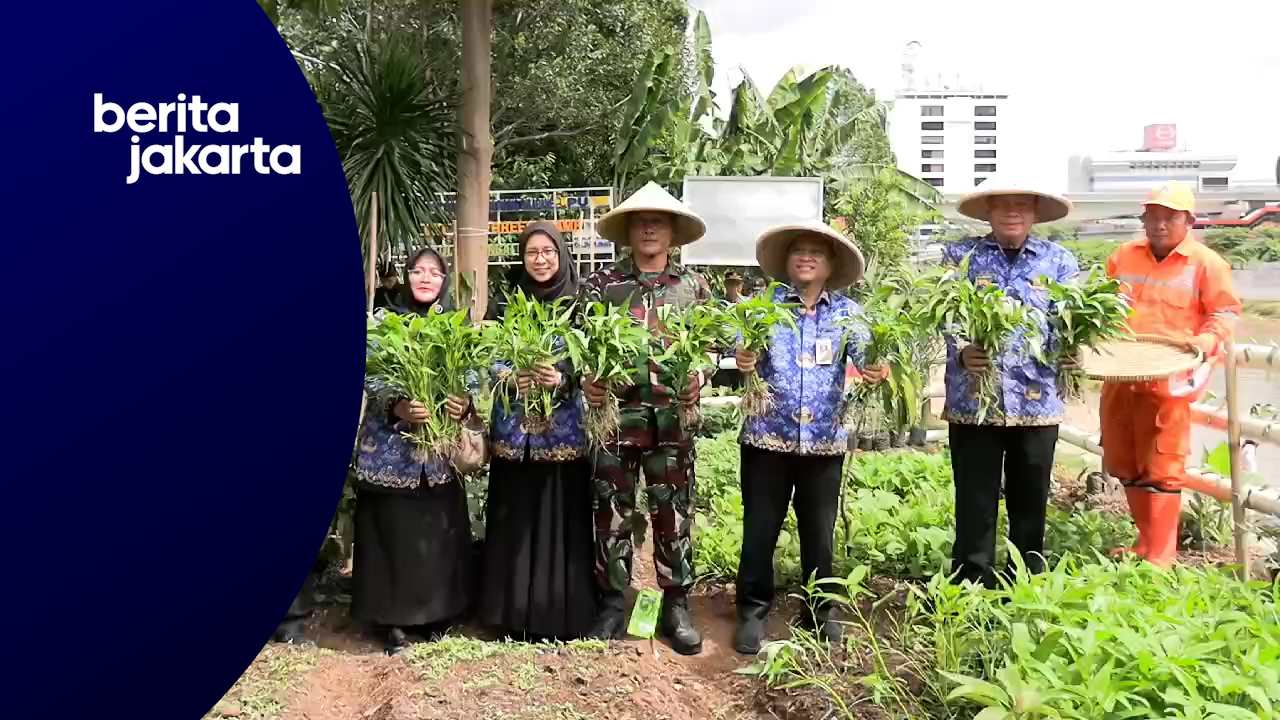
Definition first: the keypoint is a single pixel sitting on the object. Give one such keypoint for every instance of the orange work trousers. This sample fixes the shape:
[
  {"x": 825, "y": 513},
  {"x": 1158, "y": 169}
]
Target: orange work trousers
[{"x": 1146, "y": 436}]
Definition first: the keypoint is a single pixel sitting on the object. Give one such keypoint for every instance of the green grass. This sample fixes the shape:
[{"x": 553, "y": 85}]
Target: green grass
[
  {"x": 1265, "y": 309},
  {"x": 434, "y": 659},
  {"x": 259, "y": 694},
  {"x": 1070, "y": 465}
]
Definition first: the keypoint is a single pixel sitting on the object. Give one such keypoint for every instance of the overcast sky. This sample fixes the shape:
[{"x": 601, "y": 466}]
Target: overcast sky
[{"x": 1086, "y": 75}]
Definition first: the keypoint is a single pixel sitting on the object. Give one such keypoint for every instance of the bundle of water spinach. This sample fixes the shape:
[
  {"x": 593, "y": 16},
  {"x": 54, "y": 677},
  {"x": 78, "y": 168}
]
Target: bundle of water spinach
[
  {"x": 426, "y": 359},
  {"x": 987, "y": 317},
  {"x": 1084, "y": 313}
]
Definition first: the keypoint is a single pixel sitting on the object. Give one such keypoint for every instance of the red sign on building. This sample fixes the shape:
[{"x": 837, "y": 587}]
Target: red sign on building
[{"x": 1160, "y": 137}]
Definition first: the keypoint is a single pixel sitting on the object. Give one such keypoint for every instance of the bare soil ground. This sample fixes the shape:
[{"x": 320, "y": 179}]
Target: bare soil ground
[{"x": 471, "y": 674}]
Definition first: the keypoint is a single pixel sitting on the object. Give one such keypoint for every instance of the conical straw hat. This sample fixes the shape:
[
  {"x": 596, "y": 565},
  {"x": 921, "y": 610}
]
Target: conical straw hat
[
  {"x": 1051, "y": 207},
  {"x": 686, "y": 224},
  {"x": 772, "y": 246}
]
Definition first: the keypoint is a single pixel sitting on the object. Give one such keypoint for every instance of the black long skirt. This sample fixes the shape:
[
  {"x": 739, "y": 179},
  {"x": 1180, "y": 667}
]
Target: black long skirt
[
  {"x": 412, "y": 556},
  {"x": 539, "y": 554}
]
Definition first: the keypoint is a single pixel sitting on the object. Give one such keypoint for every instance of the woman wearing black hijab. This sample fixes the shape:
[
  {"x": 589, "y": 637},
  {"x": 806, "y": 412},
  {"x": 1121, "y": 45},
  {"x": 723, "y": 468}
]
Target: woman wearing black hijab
[
  {"x": 412, "y": 532},
  {"x": 538, "y": 580}
]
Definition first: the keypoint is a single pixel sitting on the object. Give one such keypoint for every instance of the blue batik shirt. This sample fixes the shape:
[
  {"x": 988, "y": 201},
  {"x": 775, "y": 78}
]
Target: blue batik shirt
[
  {"x": 809, "y": 400},
  {"x": 387, "y": 458},
  {"x": 1028, "y": 392},
  {"x": 558, "y": 438}
]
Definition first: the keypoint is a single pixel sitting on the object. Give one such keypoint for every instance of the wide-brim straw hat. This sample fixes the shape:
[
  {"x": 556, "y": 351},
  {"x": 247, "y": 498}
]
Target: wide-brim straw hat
[
  {"x": 1050, "y": 207},
  {"x": 686, "y": 224},
  {"x": 773, "y": 244}
]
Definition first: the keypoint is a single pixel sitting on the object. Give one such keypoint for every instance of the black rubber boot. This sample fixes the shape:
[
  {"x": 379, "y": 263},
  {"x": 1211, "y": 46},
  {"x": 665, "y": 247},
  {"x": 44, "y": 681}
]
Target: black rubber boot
[
  {"x": 752, "y": 626},
  {"x": 291, "y": 632},
  {"x": 397, "y": 641},
  {"x": 819, "y": 623},
  {"x": 677, "y": 625},
  {"x": 610, "y": 622},
  {"x": 831, "y": 631}
]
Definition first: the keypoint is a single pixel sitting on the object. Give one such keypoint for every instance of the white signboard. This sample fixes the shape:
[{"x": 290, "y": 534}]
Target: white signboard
[{"x": 738, "y": 209}]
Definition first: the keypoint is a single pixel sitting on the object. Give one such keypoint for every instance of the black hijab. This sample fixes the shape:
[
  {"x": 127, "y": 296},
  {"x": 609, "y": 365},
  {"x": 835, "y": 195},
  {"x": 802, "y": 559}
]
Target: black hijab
[
  {"x": 407, "y": 303},
  {"x": 563, "y": 283}
]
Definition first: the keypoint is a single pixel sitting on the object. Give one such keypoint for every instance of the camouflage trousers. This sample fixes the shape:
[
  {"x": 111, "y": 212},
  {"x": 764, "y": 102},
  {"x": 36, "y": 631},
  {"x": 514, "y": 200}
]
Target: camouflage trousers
[{"x": 668, "y": 491}]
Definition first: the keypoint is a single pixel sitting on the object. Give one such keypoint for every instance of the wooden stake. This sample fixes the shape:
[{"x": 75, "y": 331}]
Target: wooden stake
[
  {"x": 372, "y": 279},
  {"x": 373, "y": 288},
  {"x": 373, "y": 254},
  {"x": 1238, "y": 519}
]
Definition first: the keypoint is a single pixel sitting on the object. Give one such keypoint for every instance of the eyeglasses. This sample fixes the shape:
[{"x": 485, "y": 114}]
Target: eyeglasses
[
  {"x": 419, "y": 272},
  {"x": 547, "y": 253}
]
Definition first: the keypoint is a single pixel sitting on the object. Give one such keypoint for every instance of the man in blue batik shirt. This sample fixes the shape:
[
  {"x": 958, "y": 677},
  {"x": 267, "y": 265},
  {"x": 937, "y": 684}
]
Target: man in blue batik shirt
[
  {"x": 800, "y": 442},
  {"x": 1017, "y": 438}
]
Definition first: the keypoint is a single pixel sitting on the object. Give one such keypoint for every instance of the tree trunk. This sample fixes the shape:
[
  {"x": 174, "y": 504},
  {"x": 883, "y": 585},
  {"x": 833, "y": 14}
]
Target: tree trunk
[{"x": 475, "y": 156}]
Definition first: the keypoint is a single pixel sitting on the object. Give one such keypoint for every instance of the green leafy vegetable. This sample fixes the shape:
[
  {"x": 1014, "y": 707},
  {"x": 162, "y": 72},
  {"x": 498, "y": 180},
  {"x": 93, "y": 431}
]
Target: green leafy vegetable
[
  {"x": 426, "y": 359},
  {"x": 985, "y": 316},
  {"x": 531, "y": 333},
  {"x": 685, "y": 337},
  {"x": 606, "y": 346},
  {"x": 903, "y": 339},
  {"x": 1083, "y": 314},
  {"x": 753, "y": 321}
]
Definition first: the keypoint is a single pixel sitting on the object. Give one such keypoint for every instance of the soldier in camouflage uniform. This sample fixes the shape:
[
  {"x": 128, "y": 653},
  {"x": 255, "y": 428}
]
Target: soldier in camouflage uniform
[{"x": 650, "y": 222}]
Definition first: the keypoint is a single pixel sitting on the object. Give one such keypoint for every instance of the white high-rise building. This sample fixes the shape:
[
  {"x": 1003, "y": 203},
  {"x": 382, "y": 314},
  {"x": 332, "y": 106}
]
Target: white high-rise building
[{"x": 952, "y": 139}]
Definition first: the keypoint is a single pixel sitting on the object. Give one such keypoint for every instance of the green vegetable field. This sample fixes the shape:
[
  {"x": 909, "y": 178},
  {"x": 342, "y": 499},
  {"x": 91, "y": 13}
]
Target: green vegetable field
[{"x": 1090, "y": 638}]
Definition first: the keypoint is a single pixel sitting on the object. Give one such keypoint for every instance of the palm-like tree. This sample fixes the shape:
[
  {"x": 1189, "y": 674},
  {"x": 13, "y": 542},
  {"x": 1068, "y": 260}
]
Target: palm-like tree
[
  {"x": 272, "y": 7},
  {"x": 395, "y": 131}
]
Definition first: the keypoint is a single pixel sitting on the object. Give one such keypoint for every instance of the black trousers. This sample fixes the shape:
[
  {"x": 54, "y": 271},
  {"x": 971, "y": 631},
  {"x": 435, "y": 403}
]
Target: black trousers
[
  {"x": 979, "y": 455},
  {"x": 727, "y": 378},
  {"x": 768, "y": 480}
]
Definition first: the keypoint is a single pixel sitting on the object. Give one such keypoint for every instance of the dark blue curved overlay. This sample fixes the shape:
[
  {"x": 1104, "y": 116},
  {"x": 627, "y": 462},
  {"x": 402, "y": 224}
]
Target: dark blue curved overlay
[{"x": 182, "y": 358}]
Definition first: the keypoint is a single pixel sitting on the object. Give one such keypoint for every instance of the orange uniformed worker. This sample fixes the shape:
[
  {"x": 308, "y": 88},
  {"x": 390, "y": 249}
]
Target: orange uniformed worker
[{"x": 1181, "y": 290}]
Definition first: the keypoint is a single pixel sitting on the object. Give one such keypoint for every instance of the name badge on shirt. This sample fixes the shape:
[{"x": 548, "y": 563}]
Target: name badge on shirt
[
  {"x": 984, "y": 279},
  {"x": 823, "y": 351},
  {"x": 1033, "y": 391}
]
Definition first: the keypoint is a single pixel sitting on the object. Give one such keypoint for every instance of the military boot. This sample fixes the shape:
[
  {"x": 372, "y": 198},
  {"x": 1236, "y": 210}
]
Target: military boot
[
  {"x": 610, "y": 621},
  {"x": 677, "y": 624}
]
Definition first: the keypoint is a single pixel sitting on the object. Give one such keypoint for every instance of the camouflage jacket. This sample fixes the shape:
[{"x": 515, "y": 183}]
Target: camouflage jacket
[{"x": 649, "y": 408}]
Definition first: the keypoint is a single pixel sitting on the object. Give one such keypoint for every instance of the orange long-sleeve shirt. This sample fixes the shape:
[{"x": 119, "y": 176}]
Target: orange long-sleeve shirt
[{"x": 1186, "y": 295}]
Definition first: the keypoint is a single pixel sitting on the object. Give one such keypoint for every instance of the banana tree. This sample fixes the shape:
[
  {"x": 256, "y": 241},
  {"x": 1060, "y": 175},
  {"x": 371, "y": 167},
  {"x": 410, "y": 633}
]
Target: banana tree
[
  {"x": 809, "y": 124},
  {"x": 662, "y": 136},
  {"x": 914, "y": 195}
]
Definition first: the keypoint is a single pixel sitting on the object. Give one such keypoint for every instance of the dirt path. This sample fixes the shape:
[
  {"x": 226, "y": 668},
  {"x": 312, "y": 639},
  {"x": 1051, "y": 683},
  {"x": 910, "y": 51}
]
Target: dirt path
[{"x": 470, "y": 674}]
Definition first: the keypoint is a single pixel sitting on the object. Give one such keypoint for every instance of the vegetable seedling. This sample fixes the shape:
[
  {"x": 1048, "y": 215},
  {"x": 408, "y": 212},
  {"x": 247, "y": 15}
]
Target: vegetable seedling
[
  {"x": 753, "y": 320},
  {"x": 685, "y": 337},
  {"x": 529, "y": 334},
  {"x": 606, "y": 346},
  {"x": 1084, "y": 313},
  {"x": 426, "y": 359}
]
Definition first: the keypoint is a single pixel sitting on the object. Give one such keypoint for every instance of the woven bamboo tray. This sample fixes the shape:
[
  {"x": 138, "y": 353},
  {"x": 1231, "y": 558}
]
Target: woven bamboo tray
[{"x": 1142, "y": 358}]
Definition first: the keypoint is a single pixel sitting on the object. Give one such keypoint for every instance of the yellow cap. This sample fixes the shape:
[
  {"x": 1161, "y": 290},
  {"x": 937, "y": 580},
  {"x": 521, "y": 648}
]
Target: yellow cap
[{"x": 1173, "y": 195}]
